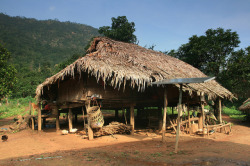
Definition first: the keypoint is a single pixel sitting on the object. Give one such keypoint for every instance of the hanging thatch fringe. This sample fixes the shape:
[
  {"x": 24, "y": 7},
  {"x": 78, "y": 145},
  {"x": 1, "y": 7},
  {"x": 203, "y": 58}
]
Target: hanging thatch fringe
[{"x": 117, "y": 62}]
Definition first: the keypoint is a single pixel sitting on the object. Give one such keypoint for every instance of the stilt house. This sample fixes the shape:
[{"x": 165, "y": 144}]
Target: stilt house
[{"x": 121, "y": 74}]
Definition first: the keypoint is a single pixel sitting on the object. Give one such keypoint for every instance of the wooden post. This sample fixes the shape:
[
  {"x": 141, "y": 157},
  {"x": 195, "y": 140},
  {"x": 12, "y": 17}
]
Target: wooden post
[
  {"x": 33, "y": 123},
  {"x": 116, "y": 114},
  {"x": 83, "y": 117},
  {"x": 39, "y": 118},
  {"x": 70, "y": 119},
  {"x": 202, "y": 113},
  {"x": 220, "y": 118},
  {"x": 164, "y": 114},
  {"x": 90, "y": 131},
  {"x": 57, "y": 119},
  {"x": 178, "y": 120},
  {"x": 132, "y": 119},
  {"x": 189, "y": 122}
]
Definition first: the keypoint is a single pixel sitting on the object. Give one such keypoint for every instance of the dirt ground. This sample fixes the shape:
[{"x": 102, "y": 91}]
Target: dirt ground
[{"x": 49, "y": 147}]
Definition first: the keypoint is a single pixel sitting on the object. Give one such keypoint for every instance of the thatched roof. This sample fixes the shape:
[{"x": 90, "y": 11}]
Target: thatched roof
[
  {"x": 245, "y": 106},
  {"x": 119, "y": 62}
]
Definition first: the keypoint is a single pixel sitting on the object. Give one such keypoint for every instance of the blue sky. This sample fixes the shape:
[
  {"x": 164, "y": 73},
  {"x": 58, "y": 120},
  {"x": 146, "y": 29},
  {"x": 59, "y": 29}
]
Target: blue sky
[{"x": 165, "y": 23}]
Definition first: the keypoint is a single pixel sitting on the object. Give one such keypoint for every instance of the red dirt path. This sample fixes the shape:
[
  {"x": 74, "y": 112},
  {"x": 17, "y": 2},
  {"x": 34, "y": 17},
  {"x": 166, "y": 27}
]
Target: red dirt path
[{"x": 51, "y": 148}]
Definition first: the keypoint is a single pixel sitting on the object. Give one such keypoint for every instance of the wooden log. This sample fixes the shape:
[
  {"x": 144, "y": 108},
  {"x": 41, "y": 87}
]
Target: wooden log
[
  {"x": 220, "y": 117},
  {"x": 132, "y": 119},
  {"x": 70, "y": 119},
  {"x": 164, "y": 114},
  {"x": 178, "y": 120},
  {"x": 171, "y": 123},
  {"x": 189, "y": 121},
  {"x": 39, "y": 118},
  {"x": 184, "y": 122},
  {"x": 57, "y": 119},
  {"x": 202, "y": 113}
]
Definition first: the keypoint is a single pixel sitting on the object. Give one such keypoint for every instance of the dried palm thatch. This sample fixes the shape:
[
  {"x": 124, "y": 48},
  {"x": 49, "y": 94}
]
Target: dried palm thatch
[
  {"x": 119, "y": 63},
  {"x": 245, "y": 106}
]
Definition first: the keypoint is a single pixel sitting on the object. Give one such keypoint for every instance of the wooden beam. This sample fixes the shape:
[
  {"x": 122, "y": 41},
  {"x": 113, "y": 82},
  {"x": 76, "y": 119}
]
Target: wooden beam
[
  {"x": 202, "y": 113},
  {"x": 220, "y": 118},
  {"x": 57, "y": 119},
  {"x": 164, "y": 114},
  {"x": 189, "y": 121},
  {"x": 70, "y": 119},
  {"x": 132, "y": 119},
  {"x": 178, "y": 120},
  {"x": 39, "y": 118}
]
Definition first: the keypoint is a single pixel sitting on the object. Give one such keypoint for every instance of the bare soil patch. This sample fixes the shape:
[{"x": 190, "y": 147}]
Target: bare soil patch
[{"x": 145, "y": 148}]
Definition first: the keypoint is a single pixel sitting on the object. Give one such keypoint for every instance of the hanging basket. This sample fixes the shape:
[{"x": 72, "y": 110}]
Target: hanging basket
[{"x": 95, "y": 117}]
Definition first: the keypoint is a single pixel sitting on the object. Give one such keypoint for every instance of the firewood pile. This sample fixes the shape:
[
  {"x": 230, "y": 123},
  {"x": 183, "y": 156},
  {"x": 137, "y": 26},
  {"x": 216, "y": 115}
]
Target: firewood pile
[{"x": 113, "y": 128}]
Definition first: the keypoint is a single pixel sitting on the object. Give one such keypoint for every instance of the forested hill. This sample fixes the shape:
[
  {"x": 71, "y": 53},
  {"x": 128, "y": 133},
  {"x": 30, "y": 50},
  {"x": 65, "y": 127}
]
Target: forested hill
[
  {"x": 41, "y": 48},
  {"x": 33, "y": 41}
]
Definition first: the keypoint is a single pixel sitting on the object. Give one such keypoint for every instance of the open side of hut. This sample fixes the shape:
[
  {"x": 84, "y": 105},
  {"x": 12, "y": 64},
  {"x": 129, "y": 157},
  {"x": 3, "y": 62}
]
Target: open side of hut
[{"x": 121, "y": 75}]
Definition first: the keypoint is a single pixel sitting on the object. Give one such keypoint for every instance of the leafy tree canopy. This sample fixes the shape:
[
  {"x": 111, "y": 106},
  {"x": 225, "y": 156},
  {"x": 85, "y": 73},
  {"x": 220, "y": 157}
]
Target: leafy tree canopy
[
  {"x": 121, "y": 30},
  {"x": 209, "y": 52},
  {"x": 7, "y": 73}
]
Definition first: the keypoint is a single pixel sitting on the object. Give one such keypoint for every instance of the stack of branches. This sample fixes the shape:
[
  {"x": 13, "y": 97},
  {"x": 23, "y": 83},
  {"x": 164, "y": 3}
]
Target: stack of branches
[
  {"x": 113, "y": 128},
  {"x": 21, "y": 123}
]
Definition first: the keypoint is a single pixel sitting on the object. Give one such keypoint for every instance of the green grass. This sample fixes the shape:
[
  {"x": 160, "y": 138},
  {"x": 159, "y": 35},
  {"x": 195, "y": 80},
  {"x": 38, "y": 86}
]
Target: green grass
[
  {"x": 15, "y": 107},
  {"x": 234, "y": 113}
]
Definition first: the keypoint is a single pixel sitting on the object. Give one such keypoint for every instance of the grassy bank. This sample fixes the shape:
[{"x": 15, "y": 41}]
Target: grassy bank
[
  {"x": 14, "y": 107},
  {"x": 232, "y": 112}
]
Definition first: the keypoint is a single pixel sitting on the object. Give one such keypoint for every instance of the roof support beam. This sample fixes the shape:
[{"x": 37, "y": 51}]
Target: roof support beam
[
  {"x": 164, "y": 114},
  {"x": 179, "y": 119}
]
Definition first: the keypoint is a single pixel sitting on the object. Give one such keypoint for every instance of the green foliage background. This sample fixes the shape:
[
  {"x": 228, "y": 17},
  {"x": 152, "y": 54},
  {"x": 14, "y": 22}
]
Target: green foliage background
[{"x": 41, "y": 48}]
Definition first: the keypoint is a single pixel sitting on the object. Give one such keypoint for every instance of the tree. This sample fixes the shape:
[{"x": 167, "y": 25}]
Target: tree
[
  {"x": 209, "y": 52},
  {"x": 7, "y": 74},
  {"x": 121, "y": 30},
  {"x": 236, "y": 76}
]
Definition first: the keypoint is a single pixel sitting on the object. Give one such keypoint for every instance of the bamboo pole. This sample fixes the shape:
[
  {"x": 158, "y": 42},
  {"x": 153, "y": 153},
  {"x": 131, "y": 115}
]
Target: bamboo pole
[
  {"x": 164, "y": 114},
  {"x": 57, "y": 119},
  {"x": 220, "y": 118},
  {"x": 202, "y": 113},
  {"x": 132, "y": 119},
  {"x": 39, "y": 118},
  {"x": 178, "y": 120},
  {"x": 70, "y": 119}
]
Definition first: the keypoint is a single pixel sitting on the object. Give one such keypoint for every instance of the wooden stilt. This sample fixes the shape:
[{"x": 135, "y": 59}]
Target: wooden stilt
[
  {"x": 189, "y": 122},
  {"x": 132, "y": 119},
  {"x": 178, "y": 120},
  {"x": 57, "y": 119},
  {"x": 220, "y": 118},
  {"x": 203, "y": 114},
  {"x": 33, "y": 123},
  {"x": 164, "y": 114},
  {"x": 70, "y": 119},
  {"x": 83, "y": 117},
  {"x": 39, "y": 118}
]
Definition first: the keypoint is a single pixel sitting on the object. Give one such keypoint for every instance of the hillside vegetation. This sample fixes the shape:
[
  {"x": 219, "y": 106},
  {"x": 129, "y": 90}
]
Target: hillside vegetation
[{"x": 41, "y": 48}]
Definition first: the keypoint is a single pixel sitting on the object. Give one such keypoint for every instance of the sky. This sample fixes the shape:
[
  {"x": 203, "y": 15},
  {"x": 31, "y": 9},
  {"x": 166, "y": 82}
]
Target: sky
[{"x": 167, "y": 24}]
